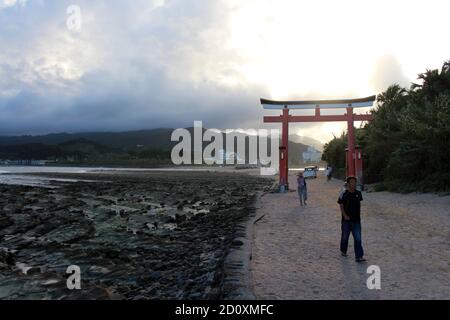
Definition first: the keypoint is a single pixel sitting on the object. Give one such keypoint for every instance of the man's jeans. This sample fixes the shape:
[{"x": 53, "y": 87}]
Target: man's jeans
[{"x": 355, "y": 229}]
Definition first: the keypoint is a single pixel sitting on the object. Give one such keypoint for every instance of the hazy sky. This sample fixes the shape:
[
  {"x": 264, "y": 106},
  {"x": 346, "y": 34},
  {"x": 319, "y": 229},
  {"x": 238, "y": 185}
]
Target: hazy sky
[{"x": 165, "y": 63}]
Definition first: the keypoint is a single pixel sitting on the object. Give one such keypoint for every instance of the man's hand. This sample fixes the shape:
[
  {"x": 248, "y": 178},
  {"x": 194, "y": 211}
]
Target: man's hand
[{"x": 346, "y": 217}]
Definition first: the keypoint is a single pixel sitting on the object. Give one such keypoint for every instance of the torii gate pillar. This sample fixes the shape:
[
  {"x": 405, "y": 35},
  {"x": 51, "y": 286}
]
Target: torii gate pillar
[
  {"x": 284, "y": 153},
  {"x": 351, "y": 143}
]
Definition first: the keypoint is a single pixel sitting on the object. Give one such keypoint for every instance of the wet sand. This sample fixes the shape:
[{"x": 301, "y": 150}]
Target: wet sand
[
  {"x": 296, "y": 249},
  {"x": 135, "y": 235}
]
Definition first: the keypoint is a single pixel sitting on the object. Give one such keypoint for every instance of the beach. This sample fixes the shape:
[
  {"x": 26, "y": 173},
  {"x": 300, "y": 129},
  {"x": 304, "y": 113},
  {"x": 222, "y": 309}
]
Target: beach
[{"x": 296, "y": 249}]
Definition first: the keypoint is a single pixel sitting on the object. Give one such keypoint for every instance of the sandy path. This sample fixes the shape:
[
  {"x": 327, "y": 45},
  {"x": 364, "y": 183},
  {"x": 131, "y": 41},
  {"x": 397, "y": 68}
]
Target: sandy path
[{"x": 296, "y": 249}]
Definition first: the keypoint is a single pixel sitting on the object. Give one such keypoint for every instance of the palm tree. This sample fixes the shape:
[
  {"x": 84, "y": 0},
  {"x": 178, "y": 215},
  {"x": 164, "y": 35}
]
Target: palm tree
[
  {"x": 434, "y": 82},
  {"x": 393, "y": 93}
]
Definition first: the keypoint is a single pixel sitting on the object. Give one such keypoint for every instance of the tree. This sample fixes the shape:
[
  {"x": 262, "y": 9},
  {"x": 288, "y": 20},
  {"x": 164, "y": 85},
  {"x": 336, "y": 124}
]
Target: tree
[{"x": 407, "y": 143}]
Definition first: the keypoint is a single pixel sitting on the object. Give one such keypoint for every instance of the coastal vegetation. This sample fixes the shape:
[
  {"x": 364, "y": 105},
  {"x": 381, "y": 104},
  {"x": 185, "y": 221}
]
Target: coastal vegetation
[{"x": 406, "y": 147}]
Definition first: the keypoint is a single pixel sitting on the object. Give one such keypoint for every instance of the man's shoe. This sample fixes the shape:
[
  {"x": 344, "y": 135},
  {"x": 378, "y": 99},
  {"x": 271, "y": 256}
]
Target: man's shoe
[
  {"x": 344, "y": 254},
  {"x": 360, "y": 260}
]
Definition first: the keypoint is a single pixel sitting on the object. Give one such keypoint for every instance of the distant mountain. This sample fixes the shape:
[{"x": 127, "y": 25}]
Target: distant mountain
[
  {"x": 156, "y": 138},
  {"x": 142, "y": 143},
  {"x": 39, "y": 151},
  {"x": 307, "y": 141},
  {"x": 84, "y": 146},
  {"x": 36, "y": 151},
  {"x": 296, "y": 153}
]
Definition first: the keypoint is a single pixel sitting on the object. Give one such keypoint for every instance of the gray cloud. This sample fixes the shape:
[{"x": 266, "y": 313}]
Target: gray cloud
[
  {"x": 131, "y": 66},
  {"x": 166, "y": 63}
]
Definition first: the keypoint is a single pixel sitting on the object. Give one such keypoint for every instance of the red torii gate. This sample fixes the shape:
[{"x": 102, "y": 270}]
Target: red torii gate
[{"x": 353, "y": 160}]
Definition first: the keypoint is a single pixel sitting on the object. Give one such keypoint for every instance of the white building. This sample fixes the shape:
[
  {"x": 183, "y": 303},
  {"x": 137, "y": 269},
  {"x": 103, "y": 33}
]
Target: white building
[
  {"x": 312, "y": 155},
  {"x": 222, "y": 154}
]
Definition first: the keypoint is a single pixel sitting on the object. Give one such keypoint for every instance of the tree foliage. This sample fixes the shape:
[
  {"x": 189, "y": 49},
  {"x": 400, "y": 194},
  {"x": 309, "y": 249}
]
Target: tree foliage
[{"x": 407, "y": 145}]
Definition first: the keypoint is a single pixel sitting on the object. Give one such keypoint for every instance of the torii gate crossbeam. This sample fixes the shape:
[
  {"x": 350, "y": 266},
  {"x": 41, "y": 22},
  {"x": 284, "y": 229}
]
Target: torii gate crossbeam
[{"x": 286, "y": 118}]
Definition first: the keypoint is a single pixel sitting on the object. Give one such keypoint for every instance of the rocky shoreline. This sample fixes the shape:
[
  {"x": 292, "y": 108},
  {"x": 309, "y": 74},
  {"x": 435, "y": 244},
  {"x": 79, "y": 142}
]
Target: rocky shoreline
[{"x": 156, "y": 235}]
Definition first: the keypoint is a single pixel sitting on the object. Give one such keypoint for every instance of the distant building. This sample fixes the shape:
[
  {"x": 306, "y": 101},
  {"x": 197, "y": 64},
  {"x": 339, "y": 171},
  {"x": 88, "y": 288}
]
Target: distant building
[
  {"x": 225, "y": 156},
  {"x": 229, "y": 156},
  {"x": 24, "y": 162},
  {"x": 312, "y": 155}
]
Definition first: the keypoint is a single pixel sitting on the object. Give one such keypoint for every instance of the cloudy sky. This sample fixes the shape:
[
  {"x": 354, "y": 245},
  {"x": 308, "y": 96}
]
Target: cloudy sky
[{"x": 165, "y": 63}]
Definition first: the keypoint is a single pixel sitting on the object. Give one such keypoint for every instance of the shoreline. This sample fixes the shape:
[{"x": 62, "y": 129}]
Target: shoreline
[{"x": 239, "y": 280}]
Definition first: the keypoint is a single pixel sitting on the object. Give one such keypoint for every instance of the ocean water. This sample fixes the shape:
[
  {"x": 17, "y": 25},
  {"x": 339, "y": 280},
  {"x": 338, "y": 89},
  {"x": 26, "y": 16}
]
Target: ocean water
[{"x": 19, "y": 175}]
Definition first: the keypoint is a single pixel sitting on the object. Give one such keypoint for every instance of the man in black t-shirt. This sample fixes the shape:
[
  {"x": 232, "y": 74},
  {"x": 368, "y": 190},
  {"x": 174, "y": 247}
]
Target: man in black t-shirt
[{"x": 350, "y": 204}]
